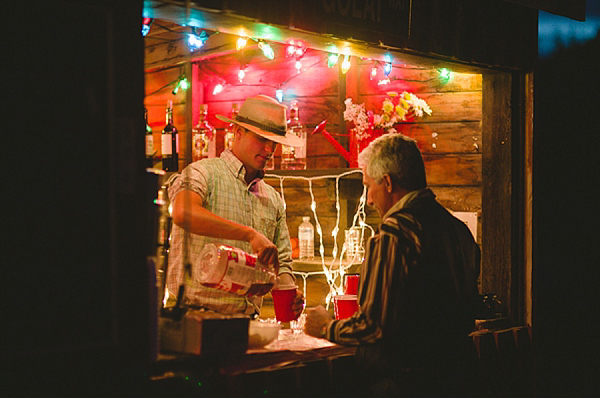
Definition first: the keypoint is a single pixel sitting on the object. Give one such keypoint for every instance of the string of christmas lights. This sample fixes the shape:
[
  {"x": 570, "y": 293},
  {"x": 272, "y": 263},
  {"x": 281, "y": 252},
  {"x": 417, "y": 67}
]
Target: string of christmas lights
[
  {"x": 334, "y": 273},
  {"x": 294, "y": 49},
  {"x": 336, "y": 269},
  {"x": 180, "y": 83},
  {"x": 221, "y": 82}
]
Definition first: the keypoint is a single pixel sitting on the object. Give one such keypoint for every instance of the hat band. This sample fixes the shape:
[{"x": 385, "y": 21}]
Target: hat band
[{"x": 261, "y": 126}]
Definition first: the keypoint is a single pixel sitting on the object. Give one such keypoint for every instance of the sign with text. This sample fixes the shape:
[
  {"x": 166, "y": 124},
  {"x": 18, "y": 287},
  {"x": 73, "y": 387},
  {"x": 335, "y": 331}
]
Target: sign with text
[
  {"x": 371, "y": 21},
  {"x": 491, "y": 33},
  {"x": 374, "y": 21}
]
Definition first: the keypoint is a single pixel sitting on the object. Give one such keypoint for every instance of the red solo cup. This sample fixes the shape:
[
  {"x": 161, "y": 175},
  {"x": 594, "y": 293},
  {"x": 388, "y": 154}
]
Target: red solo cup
[
  {"x": 283, "y": 298},
  {"x": 344, "y": 306},
  {"x": 351, "y": 283}
]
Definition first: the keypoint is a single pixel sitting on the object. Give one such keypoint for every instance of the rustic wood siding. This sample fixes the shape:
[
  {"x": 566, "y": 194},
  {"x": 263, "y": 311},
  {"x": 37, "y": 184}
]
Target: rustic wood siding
[
  {"x": 316, "y": 90},
  {"x": 450, "y": 139}
]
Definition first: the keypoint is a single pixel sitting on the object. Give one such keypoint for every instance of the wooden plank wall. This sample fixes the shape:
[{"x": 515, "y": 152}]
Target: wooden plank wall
[
  {"x": 450, "y": 139},
  {"x": 316, "y": 88},
  {"x": 297, "y": 194}
]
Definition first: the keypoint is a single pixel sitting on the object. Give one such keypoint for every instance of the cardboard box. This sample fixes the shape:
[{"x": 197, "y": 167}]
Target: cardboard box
[{"x": 204, "y": 333}]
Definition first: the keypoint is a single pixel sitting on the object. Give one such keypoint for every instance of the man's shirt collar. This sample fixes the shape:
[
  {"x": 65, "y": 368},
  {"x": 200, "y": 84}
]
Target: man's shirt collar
[
  {"x": 236, "y": 167},
  {"x": 406, "y": 199}
]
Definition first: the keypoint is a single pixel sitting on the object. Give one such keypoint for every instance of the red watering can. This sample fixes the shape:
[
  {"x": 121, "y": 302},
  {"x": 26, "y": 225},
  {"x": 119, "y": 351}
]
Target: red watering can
[{"x": 351, "y": 157}]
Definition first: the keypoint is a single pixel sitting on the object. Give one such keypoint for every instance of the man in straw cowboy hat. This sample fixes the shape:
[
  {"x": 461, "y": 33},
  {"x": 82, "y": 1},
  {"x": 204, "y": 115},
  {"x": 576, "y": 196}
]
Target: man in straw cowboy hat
[{"x": 226, "y": 200}]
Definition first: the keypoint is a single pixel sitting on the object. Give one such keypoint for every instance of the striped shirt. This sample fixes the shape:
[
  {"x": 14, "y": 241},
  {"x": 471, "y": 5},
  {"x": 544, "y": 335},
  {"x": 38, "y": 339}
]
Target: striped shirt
[
  {"x": 418, "y": 281},
  {"x": 220, "y": 183}
]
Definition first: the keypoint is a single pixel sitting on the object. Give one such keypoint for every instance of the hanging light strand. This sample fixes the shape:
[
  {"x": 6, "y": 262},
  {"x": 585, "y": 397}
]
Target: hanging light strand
[{"x": 333, "y": 274}]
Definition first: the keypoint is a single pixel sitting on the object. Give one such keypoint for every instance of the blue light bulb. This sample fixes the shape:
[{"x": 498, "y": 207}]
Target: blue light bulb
[
  {"x": 387, "y": 69},
  {"x": 196, "y": 41}
]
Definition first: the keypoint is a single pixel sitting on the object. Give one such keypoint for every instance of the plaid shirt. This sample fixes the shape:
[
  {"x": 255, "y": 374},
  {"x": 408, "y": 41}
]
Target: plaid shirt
[{"x": 220, "y": 182}]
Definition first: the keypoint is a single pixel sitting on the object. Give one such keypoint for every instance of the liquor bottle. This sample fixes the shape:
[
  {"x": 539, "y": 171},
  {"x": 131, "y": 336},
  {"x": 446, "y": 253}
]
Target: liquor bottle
[
  {"x": 170, "y": 142},
  {"x": 294, "y": 158},
  {"x": 203, "y": 137},
  {"x": 306, "y": 239},
  {"x": 149, "y": 142},
  {"x": 229, "y": 136},
  {"x": 233, "y": 270}
]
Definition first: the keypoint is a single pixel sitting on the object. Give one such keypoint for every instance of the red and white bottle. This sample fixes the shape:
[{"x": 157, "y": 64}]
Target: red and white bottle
[
  {"x": 203, "y": 136},
  {"x": 233, "y": 270}
]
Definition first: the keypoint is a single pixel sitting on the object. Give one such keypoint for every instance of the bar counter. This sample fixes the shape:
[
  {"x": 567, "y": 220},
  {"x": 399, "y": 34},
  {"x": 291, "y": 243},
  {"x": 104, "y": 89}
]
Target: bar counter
[
  {"x": 294, "y": 365},
  {"x": 302, "y": 366}
]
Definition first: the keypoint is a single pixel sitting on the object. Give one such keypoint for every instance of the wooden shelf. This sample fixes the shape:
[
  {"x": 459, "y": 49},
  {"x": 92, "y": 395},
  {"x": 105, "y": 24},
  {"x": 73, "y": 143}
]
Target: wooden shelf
[
  {"x": 316, "y": 173},
  {"x": 317, "y": 265}
]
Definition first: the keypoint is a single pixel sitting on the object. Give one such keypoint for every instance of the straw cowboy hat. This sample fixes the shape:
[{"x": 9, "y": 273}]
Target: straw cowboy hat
[{"x": 265, "y": 116}]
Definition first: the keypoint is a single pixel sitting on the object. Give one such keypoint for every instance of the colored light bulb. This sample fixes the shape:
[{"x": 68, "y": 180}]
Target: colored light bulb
[
  {"x": 346, "y": 64},
  {"x": 146, "y": 23},
  {"x": 266, "y": 49},
  {"x": 332, "y": 60},
  {"x": 291, "y": 50},
  {"x": 241, "y": 43},
  {"x": 195, "y": 40},
  {"x": 387, "y": 69},
  {"x": 445, "y": 73},
  {"x": 217, "y": 89}
]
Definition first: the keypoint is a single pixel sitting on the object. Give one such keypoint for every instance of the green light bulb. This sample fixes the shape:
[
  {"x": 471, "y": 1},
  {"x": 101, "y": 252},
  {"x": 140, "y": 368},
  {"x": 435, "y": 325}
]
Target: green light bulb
[
  {"x": 332, "y": 60},
  {"x": 266, "y": 49},
  {"x": 184, "y": 83},
  {"x": 445, "y": 73}
]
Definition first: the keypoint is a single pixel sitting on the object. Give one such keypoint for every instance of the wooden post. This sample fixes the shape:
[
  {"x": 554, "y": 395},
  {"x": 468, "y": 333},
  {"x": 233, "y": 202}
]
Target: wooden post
[
  {"x": 528, "y": 200},
  {"x": 503, "y": 189},
  {"x": 496, "y": 170},
  {"x": 189, "y": 111}
]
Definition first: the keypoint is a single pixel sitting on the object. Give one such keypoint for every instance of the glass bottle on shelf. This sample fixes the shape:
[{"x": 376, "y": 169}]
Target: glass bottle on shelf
[
  {"x": 229, "y": 136},
  {"x": 306, "y": 239},
  {"x": 149, "y": 142},
  {"x": 294, "y": 158},
  {"x": 170, "y": 142},
  {"x": 203, "y": 137}
]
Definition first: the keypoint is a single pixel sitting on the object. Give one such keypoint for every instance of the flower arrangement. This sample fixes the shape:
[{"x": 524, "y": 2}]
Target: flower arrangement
[{"x": 366, "y": 122}]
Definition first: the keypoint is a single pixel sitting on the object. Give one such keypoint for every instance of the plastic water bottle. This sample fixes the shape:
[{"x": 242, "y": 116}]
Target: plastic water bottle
[
  {"x": 233, "y": 270},
  {"x": 306, "y": 239}
]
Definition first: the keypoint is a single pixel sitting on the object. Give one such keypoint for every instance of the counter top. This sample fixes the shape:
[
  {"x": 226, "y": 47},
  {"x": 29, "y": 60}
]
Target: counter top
[{"x": 288, "y": 350}]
